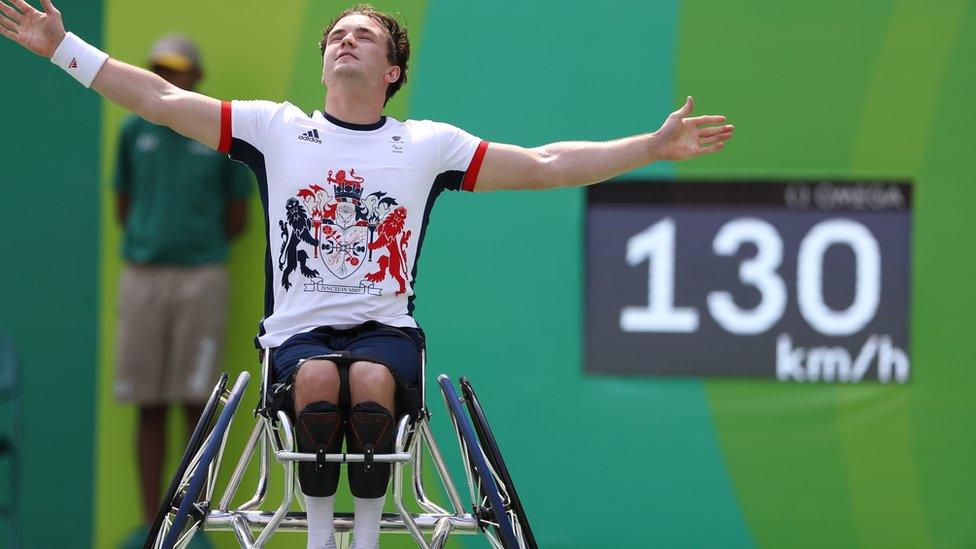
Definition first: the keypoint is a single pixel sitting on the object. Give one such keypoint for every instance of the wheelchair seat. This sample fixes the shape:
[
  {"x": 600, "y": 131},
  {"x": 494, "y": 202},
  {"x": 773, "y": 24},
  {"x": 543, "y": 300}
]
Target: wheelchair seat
[{"x": 189, "y": 505}]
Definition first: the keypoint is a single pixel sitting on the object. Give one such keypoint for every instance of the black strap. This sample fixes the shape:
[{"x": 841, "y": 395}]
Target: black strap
[
  {"x": 368, "y": 457},
  {"x": 278, "y": 398},
  {"x": 320, "y": 457}
]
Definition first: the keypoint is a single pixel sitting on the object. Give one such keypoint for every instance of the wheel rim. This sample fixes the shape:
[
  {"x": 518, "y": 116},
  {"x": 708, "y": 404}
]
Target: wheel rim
[
  {"x": 513, "y": 504},
  {"x": 195, "y": 444},
  {"x": 474, "y": 452}
]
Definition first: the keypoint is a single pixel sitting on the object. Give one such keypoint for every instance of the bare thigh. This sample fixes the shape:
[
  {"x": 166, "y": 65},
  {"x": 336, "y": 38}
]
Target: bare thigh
[
  {"x": 316, "y": 380},
  {"x": 370, "y": 382}
]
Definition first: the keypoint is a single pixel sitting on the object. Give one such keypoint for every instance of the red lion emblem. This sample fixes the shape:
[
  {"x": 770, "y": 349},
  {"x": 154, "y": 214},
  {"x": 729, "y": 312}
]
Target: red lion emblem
[
  {"x": 341, "y": 178},
  {"x": 395, "y": 260}
]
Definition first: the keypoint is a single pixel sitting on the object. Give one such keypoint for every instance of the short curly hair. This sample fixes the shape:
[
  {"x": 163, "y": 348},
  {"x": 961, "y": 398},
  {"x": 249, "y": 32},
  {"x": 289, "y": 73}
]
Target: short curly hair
[{"x": 398, "y": 43}]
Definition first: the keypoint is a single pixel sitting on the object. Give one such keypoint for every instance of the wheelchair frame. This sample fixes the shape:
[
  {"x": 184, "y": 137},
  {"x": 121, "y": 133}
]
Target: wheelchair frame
[{"x": 191, "y": 494}]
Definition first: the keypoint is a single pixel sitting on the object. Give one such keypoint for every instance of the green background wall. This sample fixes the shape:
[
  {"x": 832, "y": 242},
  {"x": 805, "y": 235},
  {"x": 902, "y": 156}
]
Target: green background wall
[
  {"x": 49, "y": 216},
  {"x": 836, "y": 89}
]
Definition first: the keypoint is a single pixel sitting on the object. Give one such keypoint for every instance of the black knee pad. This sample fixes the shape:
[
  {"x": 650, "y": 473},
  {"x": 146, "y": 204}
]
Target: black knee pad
[
  {"x": 319, "y": 431},
  {"x": 370, "y": 431}
]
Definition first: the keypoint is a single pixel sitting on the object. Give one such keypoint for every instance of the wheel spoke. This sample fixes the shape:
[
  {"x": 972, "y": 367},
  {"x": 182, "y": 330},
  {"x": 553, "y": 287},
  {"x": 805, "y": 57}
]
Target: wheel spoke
[
  {"x": 163, "y": 530},
  {"x": 185, "y": 538}
]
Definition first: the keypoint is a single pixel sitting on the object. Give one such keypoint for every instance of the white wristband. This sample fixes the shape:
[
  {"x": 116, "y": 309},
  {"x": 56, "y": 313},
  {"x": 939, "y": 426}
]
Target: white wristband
[{"x": 79, "y": 59}]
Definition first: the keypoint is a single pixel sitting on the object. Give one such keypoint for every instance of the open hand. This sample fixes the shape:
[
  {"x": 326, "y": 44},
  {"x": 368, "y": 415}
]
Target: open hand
[
  {"x": 39, "y": 31},
  {"x": 682, "y": 137}
]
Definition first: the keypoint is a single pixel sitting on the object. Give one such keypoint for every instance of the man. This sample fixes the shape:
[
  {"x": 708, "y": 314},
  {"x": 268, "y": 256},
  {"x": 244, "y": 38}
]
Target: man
[
  {"x": 347, "y": 193},
  {"x": 180, "y": 203}
]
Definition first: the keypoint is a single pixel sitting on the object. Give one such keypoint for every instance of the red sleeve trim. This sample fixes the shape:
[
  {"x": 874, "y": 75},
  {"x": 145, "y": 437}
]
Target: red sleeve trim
[
  {"x": 225, "y": 127},
  {"x": 471, "y": 174}
]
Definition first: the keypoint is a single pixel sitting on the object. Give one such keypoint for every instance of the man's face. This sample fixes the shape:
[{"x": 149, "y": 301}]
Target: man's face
[
  {"x": 186, "y": 80},
  {"x": 356, "y": 48}
]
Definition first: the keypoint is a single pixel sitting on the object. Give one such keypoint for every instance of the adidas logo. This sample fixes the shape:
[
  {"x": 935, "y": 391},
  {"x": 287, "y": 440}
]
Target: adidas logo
[
  {"x": 311, "y": 135},
  {"x": 74, "y": 63}
]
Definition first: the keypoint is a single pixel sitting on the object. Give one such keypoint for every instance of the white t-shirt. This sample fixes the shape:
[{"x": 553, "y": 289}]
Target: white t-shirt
[{"x": 346, "y": 207}]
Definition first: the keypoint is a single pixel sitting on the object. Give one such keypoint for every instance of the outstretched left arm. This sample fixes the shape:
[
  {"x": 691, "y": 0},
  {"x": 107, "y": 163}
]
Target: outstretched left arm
[{"x": 575, "y": 163}]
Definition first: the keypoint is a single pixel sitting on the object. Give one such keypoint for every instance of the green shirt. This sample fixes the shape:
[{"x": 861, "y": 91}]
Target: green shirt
[{"x": 178, "y": 191}]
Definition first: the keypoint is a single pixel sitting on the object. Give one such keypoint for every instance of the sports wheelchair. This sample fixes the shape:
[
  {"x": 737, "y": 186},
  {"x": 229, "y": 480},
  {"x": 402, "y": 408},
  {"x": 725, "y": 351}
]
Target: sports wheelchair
[{"x": 188, "y": 505}]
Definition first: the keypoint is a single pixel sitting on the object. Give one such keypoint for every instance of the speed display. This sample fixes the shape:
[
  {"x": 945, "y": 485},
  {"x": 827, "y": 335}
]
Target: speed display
[{"x": 799, "y": 280}]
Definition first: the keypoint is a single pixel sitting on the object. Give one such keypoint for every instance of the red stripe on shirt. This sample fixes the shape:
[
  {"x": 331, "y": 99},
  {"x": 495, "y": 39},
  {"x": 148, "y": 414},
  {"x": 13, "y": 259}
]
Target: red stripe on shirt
[
  {"x": 225, "y": 127},
  {"x": 471, "y": 174}
]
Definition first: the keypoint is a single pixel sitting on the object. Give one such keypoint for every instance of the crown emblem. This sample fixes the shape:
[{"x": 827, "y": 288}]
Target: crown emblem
[{"x": 348, "y": 187}]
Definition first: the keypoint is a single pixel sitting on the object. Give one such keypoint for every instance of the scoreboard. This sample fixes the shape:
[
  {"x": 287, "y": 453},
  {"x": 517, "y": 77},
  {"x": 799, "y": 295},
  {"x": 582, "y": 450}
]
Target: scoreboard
[{"x": 796, "y": 280}]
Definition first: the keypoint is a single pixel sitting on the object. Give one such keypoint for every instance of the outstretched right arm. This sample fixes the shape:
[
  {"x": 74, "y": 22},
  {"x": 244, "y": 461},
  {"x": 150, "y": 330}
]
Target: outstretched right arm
[
  {"x": 140, "y": 91},
  {"x": 146, "y": 94}
]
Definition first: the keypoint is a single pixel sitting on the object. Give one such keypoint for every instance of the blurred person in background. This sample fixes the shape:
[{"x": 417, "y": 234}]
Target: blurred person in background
[{"x": 180, "y": 203}]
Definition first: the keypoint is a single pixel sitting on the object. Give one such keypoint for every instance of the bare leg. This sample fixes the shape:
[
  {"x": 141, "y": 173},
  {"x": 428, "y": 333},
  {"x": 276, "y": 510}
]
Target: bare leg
[
  {"x": 316, "y": 380},
  {"x": 369, "y": 382},
  {"x": 151, "y": 449},
  {"x": 192, "y": 414}
]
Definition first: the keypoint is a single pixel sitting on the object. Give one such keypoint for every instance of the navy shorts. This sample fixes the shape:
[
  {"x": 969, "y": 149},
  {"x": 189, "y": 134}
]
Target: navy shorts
[{"x": 399, "y": 349}]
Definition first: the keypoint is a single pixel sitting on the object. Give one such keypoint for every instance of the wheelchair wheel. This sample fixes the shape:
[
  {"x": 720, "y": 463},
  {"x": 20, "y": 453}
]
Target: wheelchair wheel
[
  {"x": 490, "y": 511},
  {"x": 182, "y": 513},
  {"x": 200, "y": 433},
  {"x": 494, "y": 455}
]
